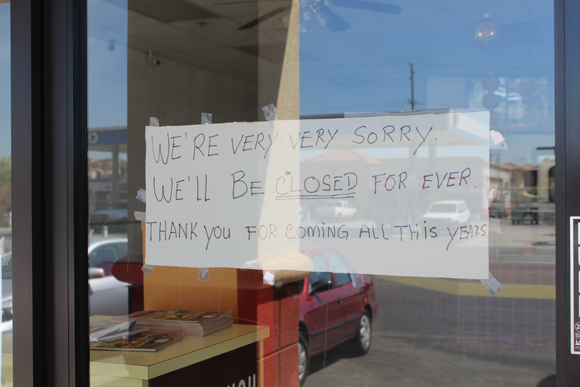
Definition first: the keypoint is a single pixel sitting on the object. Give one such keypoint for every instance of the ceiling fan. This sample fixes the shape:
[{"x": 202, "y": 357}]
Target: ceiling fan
[{"x": 318, "y": 12}]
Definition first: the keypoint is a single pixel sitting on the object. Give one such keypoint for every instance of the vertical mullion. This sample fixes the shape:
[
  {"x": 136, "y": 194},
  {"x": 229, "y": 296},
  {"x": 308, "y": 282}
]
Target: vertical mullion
[
  {"x": 78, "y": 207},
  {"x": 66, "y": 191},
  {"x": 27, "y": 130},
  {"x": 50, "y": 293},
  {"x": 562, "y": 299},
  {"x": 27, "y": 186},
  {"x": 567, "y": 175}
]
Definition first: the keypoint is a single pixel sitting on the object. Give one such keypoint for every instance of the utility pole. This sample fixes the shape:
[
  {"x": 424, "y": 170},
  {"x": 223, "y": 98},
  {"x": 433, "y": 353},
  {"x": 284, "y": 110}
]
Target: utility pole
[{"x": 412, "y": 101}]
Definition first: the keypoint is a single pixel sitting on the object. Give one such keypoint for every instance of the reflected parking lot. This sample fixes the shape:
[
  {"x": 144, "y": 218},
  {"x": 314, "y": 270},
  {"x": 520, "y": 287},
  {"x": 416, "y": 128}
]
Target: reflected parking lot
[
  {"x": 438, "y": 332},
  {"x": 402, "y": 356}
]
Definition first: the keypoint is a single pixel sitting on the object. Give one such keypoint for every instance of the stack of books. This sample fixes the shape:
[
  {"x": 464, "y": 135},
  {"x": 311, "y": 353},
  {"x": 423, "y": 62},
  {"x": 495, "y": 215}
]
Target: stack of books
[
  {"x": 112, "y": 332},
  {"x": 149, "y": 340},
  {"x": 192, "y": 323},
  {"x": 126, "y": 336}
]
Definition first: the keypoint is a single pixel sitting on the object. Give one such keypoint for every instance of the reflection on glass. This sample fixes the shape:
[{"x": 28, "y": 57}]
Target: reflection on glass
[
  {"x": 5, "y": 196},
  {"x": 335, "y": 59},
  {"x": 467, "y": 56},
  {"x": 107, "y": 92}
]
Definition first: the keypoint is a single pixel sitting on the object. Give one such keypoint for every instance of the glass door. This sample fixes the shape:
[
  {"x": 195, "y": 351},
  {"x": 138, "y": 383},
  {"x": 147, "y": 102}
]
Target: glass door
[{"x": 424, "y": 130}]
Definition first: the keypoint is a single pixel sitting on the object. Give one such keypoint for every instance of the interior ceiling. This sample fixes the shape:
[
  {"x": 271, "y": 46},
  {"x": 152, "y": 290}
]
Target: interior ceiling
[{"x": 205, "y": 33}]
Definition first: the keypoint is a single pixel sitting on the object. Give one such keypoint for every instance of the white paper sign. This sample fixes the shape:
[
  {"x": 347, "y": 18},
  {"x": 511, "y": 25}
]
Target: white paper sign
[{"x": 403, "y": 194}]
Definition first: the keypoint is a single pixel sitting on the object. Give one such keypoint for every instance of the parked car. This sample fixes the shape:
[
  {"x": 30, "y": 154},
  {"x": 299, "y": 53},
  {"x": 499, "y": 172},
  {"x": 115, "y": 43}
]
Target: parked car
[
  {"x": 7, "y": 292},
  {"x": 335, "y": 306},
  {"x": 107, "y": 295},
  {"x": 525, "y": 212},
  {"x": 104, "y": 252},
  {"x": 334, "y": 209},
  {"x": 114, "y": 217},
  {"x": 449, "y": 211},
  {"x": 497, "y": 209}
]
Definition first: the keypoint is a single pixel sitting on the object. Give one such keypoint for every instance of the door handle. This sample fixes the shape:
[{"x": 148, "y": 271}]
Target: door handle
[{"x": 339, "y": 301}]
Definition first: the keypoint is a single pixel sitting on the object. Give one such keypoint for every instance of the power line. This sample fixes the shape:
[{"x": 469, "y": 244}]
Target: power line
[{"x": 412, "y": 78}]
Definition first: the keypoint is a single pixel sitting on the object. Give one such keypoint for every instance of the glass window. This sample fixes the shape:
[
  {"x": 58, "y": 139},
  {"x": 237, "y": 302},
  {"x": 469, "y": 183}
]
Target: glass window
[
  {"x": 320, "y": 272},
  {"x": 341, "y": 269},
  {"x": 160, "y": 67},
  {"x": 107, "y": 252},
  {"x": 5, "y": 195}
]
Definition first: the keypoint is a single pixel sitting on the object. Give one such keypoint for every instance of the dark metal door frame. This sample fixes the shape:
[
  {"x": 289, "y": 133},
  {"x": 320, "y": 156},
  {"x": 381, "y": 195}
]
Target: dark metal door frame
[
  {"x": 49, "y": 190},
  {"x": 567, "y": 82},
  {"x": 49, "y": 151}
]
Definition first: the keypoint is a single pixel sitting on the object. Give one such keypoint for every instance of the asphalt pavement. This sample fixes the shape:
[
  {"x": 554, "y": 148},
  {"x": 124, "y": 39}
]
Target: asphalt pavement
[
  {"x": 413, "y": 359},
  {"x": 407, "y": 358}
]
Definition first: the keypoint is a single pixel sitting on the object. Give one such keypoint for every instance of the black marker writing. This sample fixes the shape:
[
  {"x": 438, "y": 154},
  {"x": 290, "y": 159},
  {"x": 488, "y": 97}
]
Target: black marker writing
[
  {"x": 216, "y": 232},
  {"x": 159, "y": 199}
]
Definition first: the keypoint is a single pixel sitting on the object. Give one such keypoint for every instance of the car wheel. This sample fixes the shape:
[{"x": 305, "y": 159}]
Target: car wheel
[
  {"x": 361, "y": 343},
  {"x": 303, "y": 359}
]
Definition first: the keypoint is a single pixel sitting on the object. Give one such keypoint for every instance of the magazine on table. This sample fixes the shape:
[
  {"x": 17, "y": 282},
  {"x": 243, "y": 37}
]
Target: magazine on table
[
  {"x": 111, "y": 332},
  {"x": 150, "y": 340},
  {"x": 192, "y": 323}
]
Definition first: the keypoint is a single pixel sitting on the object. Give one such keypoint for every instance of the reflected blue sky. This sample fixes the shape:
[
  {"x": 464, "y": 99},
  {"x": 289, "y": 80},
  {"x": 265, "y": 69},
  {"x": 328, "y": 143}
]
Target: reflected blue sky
[
  {"x": 449, "y": 42},
  {"x": 365, "y": 67},
  {"x": 107, "y": 63},
  {"x": 5, "y": 106}
]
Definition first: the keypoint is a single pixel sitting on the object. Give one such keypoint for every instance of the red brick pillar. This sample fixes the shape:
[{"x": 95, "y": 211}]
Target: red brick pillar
[{"x": 277, "y": 308}]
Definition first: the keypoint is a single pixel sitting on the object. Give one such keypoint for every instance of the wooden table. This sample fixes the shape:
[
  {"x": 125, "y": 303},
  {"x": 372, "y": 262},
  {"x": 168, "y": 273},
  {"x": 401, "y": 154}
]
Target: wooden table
[{"x": 128, "y": 369}]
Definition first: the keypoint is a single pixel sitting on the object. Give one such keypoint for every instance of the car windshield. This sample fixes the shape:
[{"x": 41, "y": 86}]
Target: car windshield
[{"x": 443, "y": 207}]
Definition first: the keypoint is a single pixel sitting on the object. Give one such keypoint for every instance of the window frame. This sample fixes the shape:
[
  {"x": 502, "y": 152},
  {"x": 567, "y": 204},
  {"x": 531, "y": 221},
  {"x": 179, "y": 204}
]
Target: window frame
[
  {"x": 49, "y": 161},
  {"x": 49, "y": 190}
]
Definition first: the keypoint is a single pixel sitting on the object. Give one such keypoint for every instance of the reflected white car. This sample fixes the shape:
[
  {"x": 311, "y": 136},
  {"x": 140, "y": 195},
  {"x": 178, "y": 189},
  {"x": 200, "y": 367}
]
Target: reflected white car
[
  {"x": 448, "y": 211},
  {"x": 107, "y": 295},
  {"x": 335, "y": 209},
  {"x": 114, "y": 217}
]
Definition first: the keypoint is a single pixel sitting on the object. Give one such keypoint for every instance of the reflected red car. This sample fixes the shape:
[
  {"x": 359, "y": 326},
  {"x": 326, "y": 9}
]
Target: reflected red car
[{"x": 336, "y": 306}]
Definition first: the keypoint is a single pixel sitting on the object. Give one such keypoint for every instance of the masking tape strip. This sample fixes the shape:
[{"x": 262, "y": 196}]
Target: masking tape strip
[
  {"x": 153, "y": 121},
  {"x": 494, "y": 225},
  {"x": 206, "y": 118},
  {"x": 497, "y": 141},
  {"x": 492, "y": 285},
  {"x": 268, "y": 278},
  {"x": 270, "y": 112},
  {"x": 203, "y": 274},
  {"x": 142, "y": 195},
  {"x": 139, "y": 215},
  {"x": 147, "y": 269},
  {"x": 496, "y": 137},
  {"x": 358, "y": 280}
]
